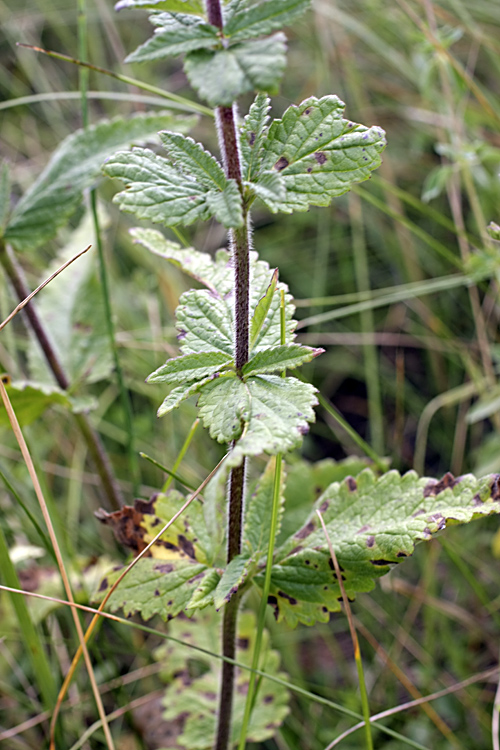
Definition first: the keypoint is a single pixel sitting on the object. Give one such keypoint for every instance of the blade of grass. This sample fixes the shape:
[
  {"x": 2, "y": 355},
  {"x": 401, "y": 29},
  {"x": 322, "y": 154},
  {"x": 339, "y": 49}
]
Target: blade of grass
[
  {"x": 181, "y": 455},
  {"x": 71, "y": 95},
  {"x": 173, "y": 474},
  {"x": 60, "y": 562},
  {"x": 354, "y": 637},
  {"x": 188, "y": 105},
  {"x": 402, "y": 293},
  {"x": 44, "y": 676}
]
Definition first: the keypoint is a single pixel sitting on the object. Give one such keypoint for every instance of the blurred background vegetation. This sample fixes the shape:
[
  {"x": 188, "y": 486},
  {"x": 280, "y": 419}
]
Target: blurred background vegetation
[{"x": 384, "y": 280}]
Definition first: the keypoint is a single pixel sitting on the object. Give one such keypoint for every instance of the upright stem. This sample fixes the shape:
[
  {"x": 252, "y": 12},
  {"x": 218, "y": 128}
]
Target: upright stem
[
  {"x": 94, "y": 445},
  {"x": 240, "y": 246}
]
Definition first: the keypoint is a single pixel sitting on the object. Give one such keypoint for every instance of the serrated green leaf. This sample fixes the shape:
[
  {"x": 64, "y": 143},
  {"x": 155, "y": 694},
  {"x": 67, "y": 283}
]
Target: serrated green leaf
[
  {"x": 72, "y": 309},
  {"x": 205, "y": 323},
  {"x": 204, "y": 594},
  {"x": 270, "y": 188},
  {"x": 306, "y": 481},
  {"x": 319, "y": 154},
  {"x": 244, "y": 20},
  {"x": 191, "y": 704},
  {"x": 158, "y": 191},
  {"x": 275, "y": 412},
  {"x": 173, "y": 6},
  {"x": 29, "y": 400},
  {"x": 399, "y": 511},
  {"x": 221, "y": 76},
  {"x": 279, "y": 358},
  {"x": 189, "y": 367},
  {"x": 75, "y": 166},
  {"x": 224, "y": 405},
  {"x": 155, "y": 587},
  {"x": 252, "y": 135},
  {"x": 262, "y": 309},
  {"x": 259, "y": 511},
  {"x": 193, "y": 160},
  {"x": 175, "y": 34},
  {"x": 233, "y": 577},
  {"x": 218, "y": 304},
  {"x": 226, "y": 206},
  {"x": 178, "y": 395},
  {"x": 4, "y": 196}
]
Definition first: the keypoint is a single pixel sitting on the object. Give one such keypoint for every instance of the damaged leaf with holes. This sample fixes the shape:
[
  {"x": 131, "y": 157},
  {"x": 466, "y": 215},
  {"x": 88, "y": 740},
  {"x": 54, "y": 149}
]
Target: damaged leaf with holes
[{"x": 373, "y": 523}]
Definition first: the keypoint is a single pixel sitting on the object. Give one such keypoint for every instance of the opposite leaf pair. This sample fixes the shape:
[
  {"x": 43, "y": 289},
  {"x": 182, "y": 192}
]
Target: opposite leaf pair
[{"x": 305, "y": 159}]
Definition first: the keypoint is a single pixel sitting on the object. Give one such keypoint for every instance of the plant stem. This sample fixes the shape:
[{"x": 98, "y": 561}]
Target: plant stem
[
  {"x": 240, "y": 246},
  {"x": 94, "y": 445}
]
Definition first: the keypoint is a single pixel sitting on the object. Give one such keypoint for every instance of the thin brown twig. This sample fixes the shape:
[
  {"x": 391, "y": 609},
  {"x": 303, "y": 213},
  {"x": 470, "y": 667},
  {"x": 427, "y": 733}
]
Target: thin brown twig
[{"x": 42, "y": 285}]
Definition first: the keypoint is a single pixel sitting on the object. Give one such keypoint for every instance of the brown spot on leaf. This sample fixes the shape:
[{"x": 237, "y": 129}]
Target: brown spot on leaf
[
  {"x": 418, "y": 512},
  {"x": 476, "y": 500},
  {"x": 307, "y": 111},
  {"x": 324, "y": 506},
  {"x": 243, "y": 643},
  {"x": 104, "y": 584},
  {"x": 251, "y": 139},
  {"x": 381, "y": 562},
  {"x": 186, "y": 546},
  {"x": 126, "y": 526},
  {"x": 370, "y": 541},
  {"x": 401, "y": 554},
  {"x": 296, "y": 549},
  {"x": 288, "y": 597},
  {"x": 157, "y": 592},
  {"x": 351, "y": 484},
  {"x": 163, "y": 567},
  {"x": 274, "y": 604},
  {"x": 196, "y": 578},
  {"x": 495, "y": 488},
  {"x": 320, "y": 157},
  {"x": 268, "y": 699},
  {"x": 305, "y": 530},
  {"x": 433, "y": 488},
  {"x": 364, "y": 528},
  {"x": 281, "y": 163}
]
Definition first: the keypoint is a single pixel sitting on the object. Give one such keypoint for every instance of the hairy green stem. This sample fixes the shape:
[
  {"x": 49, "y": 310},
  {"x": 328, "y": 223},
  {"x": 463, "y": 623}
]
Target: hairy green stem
[
  {"x": 240, "y": 246},
  {"x": 94, "y": 445}
]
